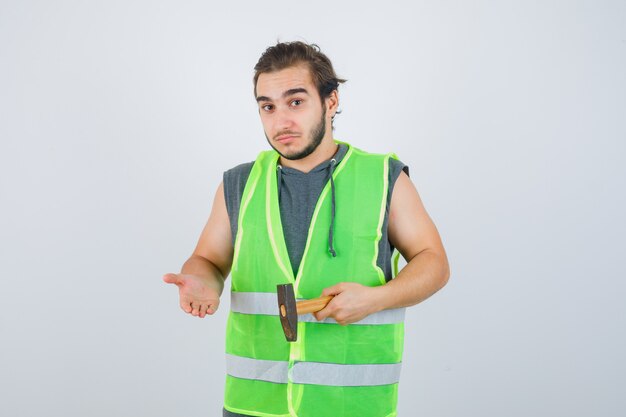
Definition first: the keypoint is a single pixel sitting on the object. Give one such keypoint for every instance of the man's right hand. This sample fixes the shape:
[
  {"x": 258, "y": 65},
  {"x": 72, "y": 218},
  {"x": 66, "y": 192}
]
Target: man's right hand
[{"x": 199, "y": 296}]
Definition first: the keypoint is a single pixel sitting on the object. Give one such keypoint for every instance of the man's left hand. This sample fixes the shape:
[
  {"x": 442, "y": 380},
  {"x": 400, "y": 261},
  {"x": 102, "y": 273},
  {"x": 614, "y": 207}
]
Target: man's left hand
[{"x": 352, "y": 302}]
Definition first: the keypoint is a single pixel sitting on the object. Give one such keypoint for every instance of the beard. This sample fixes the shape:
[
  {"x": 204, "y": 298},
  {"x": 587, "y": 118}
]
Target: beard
[{"x": 317, "y": 134}]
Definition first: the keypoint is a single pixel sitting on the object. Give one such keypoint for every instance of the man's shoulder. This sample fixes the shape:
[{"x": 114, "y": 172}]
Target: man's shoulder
[
  {"x": 376, "y": 154},
  {"x": 395, "y": 164},
  {"x": 245, "y": 167},
  {"x": 238, "y": 174}
]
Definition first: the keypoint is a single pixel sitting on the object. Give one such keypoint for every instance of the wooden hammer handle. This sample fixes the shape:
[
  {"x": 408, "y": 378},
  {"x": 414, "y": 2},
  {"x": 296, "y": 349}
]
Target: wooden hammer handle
[{"x": 314, "y": 305}]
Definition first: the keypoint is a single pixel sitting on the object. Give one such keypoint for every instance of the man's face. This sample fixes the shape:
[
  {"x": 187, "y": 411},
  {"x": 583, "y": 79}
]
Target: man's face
[{"x": 292, "y": 113}]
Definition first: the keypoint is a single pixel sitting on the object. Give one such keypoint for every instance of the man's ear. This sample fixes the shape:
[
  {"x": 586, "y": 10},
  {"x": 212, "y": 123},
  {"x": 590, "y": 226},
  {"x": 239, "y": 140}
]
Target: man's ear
[{"x": 332, "y": 103}]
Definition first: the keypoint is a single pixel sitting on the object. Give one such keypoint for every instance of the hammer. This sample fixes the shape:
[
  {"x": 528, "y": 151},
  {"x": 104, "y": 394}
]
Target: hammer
[{"x": 289, "y": 309}]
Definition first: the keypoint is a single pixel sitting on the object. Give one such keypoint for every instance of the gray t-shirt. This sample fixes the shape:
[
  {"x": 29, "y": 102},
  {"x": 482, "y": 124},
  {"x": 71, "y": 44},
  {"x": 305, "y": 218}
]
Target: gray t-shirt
[{"x": 298, "y": 196}]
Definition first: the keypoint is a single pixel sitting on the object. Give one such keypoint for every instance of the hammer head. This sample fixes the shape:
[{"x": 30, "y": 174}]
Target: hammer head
[{"x": 287, "y": 311}]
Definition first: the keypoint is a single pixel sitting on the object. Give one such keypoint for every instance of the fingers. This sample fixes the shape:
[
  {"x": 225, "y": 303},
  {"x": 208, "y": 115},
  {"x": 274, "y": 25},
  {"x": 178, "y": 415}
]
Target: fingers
[
  {"x": 333, "y": 313},
  {"x": 202, "y": 311},
  {"x": 195, "y": 309},
  {"x": 207, "y": 310},
  {"x": 329, "y": 310},
  {"x": 337, "y": 310},
  {"x": 334, "y": 290},
  {"x": 186, "y": 306},
  {"x": 172, "y": 279},
  {"x": 325, "y": 312},
  {"x": 198, "y": 309}
]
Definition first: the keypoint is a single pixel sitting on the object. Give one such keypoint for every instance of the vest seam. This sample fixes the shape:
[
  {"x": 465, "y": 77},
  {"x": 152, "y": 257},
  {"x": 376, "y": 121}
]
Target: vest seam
[
  {"x": 271, "y": 176},
  {"x": 246, "y": 197},
  {"x": 381, "y": 220}
]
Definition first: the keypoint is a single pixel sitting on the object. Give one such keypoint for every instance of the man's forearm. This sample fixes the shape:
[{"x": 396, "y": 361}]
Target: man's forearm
[
  {"x": 202, "y": 267},
  {"x": 423, "y": 276}
]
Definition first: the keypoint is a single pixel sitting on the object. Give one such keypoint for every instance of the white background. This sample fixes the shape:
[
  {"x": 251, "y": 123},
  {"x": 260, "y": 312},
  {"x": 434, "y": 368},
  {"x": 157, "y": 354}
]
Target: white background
[{"x": 117, "y": 119}]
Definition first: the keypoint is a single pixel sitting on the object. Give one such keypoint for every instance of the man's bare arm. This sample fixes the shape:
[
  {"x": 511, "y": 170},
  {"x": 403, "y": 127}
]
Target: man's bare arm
[
  {"x": 415, "y": 236},
  {"x": 201, "y": 280}
]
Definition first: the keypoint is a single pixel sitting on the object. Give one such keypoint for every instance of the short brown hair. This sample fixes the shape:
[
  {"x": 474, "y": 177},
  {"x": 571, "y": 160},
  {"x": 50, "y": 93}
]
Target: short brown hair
[{"x": 288, "y": 54}]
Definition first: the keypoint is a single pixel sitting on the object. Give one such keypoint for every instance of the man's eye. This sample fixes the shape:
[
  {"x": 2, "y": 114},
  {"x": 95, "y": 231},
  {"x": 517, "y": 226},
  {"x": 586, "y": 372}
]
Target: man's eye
[
  {"x": 296, "y": 102},
  {"x": 267, "y": 107}
]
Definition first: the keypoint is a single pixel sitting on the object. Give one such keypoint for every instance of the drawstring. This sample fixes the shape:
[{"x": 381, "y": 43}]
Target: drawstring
[
  {"x": 279, "y": 168},
  {"x": 333, "y": 162}
]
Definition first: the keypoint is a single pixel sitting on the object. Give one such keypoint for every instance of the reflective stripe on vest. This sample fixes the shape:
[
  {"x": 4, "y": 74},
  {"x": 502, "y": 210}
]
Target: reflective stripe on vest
[
  {"x": 262, "y": 370},
  {"x": 315, "y": 373},
  {"x": 266, "y": 304}
]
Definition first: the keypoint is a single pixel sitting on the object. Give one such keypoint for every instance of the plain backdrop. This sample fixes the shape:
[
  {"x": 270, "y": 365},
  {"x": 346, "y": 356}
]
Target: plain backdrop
[{"x": 118, "y": 118}]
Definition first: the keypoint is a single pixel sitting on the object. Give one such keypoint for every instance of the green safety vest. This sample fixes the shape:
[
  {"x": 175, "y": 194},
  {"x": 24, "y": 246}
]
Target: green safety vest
[{"x": 331, "y": 370}]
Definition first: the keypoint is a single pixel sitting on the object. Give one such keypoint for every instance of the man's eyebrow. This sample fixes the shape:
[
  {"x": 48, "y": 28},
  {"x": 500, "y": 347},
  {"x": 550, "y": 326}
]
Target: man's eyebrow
[
  {"x": 293, "y": 91},
  {"x": 287, "y": 93}
]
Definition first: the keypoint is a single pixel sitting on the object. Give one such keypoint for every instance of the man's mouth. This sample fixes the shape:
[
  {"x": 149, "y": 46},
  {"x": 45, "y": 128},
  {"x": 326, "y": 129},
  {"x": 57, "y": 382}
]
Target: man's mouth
[{"x": 285, "y": 138}]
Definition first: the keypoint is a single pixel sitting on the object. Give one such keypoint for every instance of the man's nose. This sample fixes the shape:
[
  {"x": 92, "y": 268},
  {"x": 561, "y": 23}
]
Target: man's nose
[{"x": 284, "y": 119}]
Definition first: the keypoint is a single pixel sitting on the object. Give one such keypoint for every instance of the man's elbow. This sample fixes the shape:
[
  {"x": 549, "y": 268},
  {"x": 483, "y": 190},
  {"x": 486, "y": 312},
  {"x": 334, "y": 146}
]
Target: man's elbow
[
  {"x": 439, "y": 266},
  {"x": 443, "y": 274}
]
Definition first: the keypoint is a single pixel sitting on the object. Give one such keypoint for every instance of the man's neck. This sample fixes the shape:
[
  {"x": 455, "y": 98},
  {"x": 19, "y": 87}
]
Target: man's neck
[{"x": 325, "y": 151}]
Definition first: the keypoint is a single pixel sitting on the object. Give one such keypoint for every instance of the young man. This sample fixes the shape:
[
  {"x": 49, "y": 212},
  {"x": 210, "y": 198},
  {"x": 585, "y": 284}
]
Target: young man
[{"x": 324, "y": 216}]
